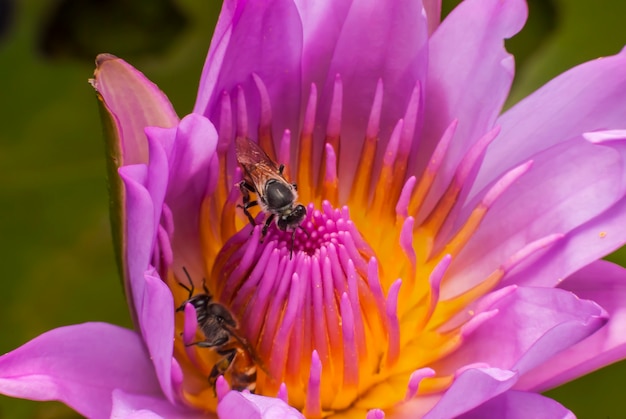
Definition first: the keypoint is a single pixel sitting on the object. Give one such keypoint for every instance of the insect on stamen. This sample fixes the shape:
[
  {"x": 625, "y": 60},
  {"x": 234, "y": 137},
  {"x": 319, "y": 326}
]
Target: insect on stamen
[{"x": 275, "y": 195}]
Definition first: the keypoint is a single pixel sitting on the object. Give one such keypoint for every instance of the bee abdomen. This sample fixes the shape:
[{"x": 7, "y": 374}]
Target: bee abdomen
[{"x": 244, "y": 380}]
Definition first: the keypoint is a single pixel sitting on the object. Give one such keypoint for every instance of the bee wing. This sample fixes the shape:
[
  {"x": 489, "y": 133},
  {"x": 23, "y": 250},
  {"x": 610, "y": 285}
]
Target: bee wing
[
  {"x": 255, "y": 162},
  {"x": 246, "y": 345}
]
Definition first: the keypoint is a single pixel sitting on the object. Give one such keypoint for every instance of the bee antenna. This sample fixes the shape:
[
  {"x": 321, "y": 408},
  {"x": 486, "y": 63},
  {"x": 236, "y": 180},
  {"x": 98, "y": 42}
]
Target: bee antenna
[
  {"x": 204, "y": 287},
  {"x": 190, "y": 290}
]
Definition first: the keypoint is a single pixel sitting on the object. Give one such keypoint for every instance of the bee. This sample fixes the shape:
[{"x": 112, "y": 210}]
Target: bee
[
  {"x": 275, "y": 195},
  {"x": 221, "y": 334}
]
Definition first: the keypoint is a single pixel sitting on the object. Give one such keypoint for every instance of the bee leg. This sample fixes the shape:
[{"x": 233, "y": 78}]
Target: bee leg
[
  {"x": 222, "y": 365},
  {"x": 245, "y": 189},
  {"x": 293, "y": 239},
  {"x": 268, "y": 222},
  {"x": 280, "y": 169}
]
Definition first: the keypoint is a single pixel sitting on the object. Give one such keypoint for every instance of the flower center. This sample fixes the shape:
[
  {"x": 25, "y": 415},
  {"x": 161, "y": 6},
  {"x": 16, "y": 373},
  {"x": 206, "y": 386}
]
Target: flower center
[
  {"x": 320, "y": 317},
  {"x": 348, "y": 313}
]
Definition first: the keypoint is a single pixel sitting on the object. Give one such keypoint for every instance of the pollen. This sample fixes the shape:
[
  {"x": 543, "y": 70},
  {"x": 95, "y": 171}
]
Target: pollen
[{"x": 353, "y": 310}]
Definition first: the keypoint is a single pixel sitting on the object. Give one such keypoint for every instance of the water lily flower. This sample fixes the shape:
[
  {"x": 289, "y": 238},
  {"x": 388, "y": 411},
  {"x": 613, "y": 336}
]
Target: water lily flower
[{"x": 448, "y": 264}]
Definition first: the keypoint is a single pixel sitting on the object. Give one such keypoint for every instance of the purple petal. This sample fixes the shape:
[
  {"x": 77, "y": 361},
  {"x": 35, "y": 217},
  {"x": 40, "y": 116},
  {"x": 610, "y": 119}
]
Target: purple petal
[
  {"x": 471, "y": 389},
  {"x": 604, "y": 283},
  {"x": 192, "y": 176},
  {"x": 156, "y": 320},
  {"x": 519, "y": 405},
  {"x": 134, "y": 102},
  {"x": 586, "y": 98},
  {"x": 469, "y": 76},
  {"x": 81, "y": 366},
  {"x": 128, "y": 405},
  {"x": 251, "y": 406},
  {"x": 433, "y": 13},
  {"x": 264, "y": 38},
  {"x": 140, "y": 227},
  {"x": 528, "y": 326},
  {"x": 571, "y": 190},
  {"x": 401, "y": 66}
]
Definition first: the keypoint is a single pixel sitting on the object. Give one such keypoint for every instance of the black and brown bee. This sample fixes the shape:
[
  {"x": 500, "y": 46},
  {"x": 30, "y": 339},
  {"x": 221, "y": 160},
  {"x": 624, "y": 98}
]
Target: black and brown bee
[
  {"x": 220, "y": 331},
  {"x": 275, "y": 195}
]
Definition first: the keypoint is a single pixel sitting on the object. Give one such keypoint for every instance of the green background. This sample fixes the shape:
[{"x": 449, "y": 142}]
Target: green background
[{"x": 55, "y": 245}]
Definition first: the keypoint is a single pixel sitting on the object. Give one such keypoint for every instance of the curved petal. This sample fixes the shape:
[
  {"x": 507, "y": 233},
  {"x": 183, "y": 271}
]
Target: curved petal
[
  {"x": 190, "y": 150},
  {"x": 262, "y": 38},
  {"x": 156, "y": 320},
  {"x": 81, "y": 366},
  {"x": 250, "y": 406},
  {"x": 140, "y": 228},
  {"x": 568, "y": 186},
  {"x": 586, "y": 98},
  {"x": 134, "y": 102},
  {"x": 604, "y": 283},
  {"x": 519, "y": 405},
  {"x": 133, "y": 406},
  {"x": 433, "y": 13},
  {"x": 470, "y": 389},
  {"x": 527, "y": 325},
  {"x": 469, "y": 76}
]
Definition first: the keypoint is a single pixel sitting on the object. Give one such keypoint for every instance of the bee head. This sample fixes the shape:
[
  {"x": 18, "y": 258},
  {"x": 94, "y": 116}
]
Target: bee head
[{"x": 293, "y": 219}]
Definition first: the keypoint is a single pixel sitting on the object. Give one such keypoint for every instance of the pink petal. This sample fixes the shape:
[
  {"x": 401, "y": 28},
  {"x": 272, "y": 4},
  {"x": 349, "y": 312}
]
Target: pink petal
[
  {"x": 81, "y": 366},
  {"x": 469, "y": 390},
  {"x": 264, "y": 38},
  {"x": 528, "y": 326},
  {"x": 469, "y": 76},
  {"x": 140, "y": 228},
  {"x": 251, "y": 406},
  {"x": 190, "y": 150},
  {"x": 604, "y": 283},
  {"x": 586, "y": 98},
  {"x": 569, "y": 185},
  {"x": 156, "y": 321},
  {"x": 433, "y": 13},
  {"x": 395, "y": 36},
  {"x": 519, "y": 405},
  {"x": 128, "y": 405},
  {"x": 134, "y": 102}
]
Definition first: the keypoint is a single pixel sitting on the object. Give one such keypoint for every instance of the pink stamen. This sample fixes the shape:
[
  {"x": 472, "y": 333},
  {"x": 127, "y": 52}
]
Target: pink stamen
[
  {"x": 221, "y": 387},
  {"x": 402, "y": 207},
  {"x": 277, "y": 361},
  {"x": 375, "y": 414},
  {"x": 333, "y": 130},
  {"x": 477, "y": 321},
  {"x": 226, "y": 123},
  {"x": 242, "y": 113},
  {"x": 351, "y": 357},
  {"x": 474, "y": 155},
  {"x": 265, "y": 119},
  {"x": 373, "y": 124},
  {"x": 353, "y": 293},
  {"x": 393, "y": 324},
  {"x": 282, "y": 393},
  {"x": 531, "y": 249},
  {"x": 284, "y": 151},
  {"x": 435, "y": 279},
  {"x": 415, "y": 379},
  {"x": 313, "y": 404},
  {"x": 504, "y": 183}
]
